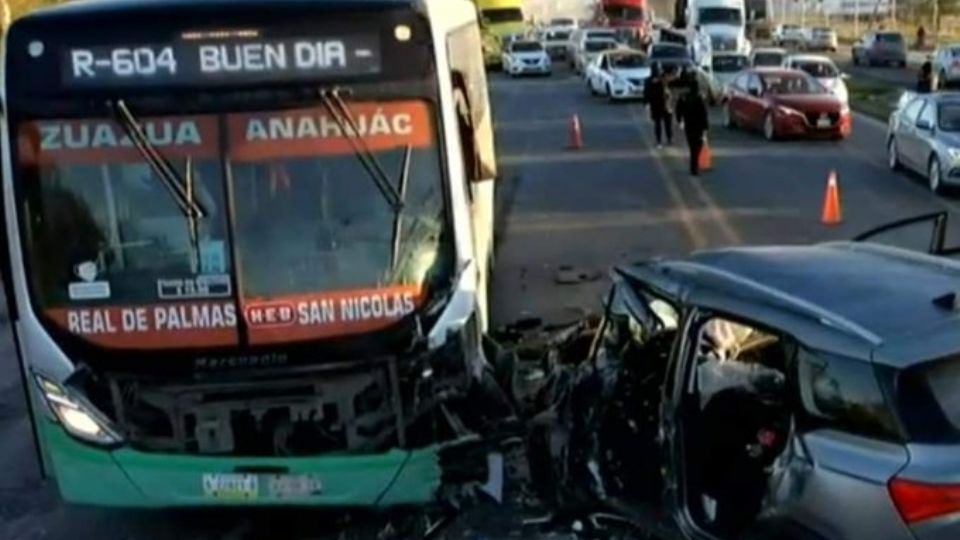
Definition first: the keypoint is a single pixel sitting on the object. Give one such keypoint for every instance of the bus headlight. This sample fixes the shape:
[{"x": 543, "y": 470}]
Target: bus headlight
[{"x": 77, "y": 417}]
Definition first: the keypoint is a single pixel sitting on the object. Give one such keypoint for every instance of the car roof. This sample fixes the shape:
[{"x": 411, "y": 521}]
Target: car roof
[
  {"x": 777, "y": 50},
  {"x": 878, "y": 294},
  {"x": 775, "y": 70},
  {"x": 810, "y": 58}
]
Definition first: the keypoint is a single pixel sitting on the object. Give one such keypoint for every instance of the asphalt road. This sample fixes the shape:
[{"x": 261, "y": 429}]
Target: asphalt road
[{"x": 616, "y": 200}]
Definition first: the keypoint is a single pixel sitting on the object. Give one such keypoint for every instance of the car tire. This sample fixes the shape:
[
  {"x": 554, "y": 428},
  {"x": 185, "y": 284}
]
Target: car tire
[
  {"x": 728, "y": 118},
  {"x": 893, "y": 155},
  {"x": 935, "y": 175},
  {"x": 769, "y": 127}
]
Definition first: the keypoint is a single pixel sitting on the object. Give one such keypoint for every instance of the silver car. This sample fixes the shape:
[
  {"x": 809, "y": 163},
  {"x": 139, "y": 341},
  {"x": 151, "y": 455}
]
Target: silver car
[
  {"x": 822, "y": 39},
  {"x": 924, "y": 135},
  {"x": 946, "y": 64}
]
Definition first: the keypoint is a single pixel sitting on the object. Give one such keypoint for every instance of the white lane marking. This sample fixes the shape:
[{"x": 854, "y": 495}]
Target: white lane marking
[
  {"x": 690, "y": 225},
  {"x": 722, "y": 221},
  {"x": 572, "y": 222}
]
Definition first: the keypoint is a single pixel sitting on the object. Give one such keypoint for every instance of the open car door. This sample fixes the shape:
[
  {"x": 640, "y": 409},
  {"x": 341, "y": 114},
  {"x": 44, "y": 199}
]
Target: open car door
[{"x": 926, "y": 233}]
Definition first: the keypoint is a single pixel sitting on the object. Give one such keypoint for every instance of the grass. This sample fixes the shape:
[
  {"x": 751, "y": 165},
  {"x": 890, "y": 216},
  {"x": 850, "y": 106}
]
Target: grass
[{"x": 873, "y": 98}]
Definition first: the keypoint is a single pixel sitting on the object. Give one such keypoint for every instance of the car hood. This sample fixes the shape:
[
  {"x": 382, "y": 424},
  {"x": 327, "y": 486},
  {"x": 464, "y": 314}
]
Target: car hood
[
  {"x": 809, "y": 103},
  {"x": 632, "y": 73}
]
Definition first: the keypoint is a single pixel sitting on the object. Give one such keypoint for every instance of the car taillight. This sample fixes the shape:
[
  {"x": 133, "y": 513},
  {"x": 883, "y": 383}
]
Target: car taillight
[{"x": 917, "y": 501}]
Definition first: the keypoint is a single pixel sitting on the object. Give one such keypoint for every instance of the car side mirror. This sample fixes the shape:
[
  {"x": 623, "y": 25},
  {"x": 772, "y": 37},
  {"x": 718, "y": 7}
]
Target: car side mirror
[
  {"x": 924, "y": 124},
  {"x": 845, "y": 76}
]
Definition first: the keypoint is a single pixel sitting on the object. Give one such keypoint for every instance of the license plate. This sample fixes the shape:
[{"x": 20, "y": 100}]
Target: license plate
[
  {"x": 248, "y": 487},
  {"x": 823, "y": 122},
  {"x": 243, "y": 487}
]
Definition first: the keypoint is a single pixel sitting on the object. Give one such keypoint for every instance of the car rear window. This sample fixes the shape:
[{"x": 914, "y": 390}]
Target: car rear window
[
  {"x": 816, "y": 69},
  {"x": 928, "y": 401},
  {"x": 729, "y": 64},
  {"x": 949, "y": 117},
  {"x": 597, "y": 46},
  {"x": 767, "y": 59},
  {"x": 669, "y": 51},
  {"x": 890, "y": 38}
]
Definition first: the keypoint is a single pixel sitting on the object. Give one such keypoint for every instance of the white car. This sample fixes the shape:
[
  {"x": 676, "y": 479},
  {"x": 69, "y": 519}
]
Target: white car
[
  {"x": 526, "y": 57},
  {"x": 592, "y": 48},
  {"x": 791, "y": 35},
  {"x": 725, "y": 67},
  {"x": 823, "y": 70},
  {"x": 579, "y": 39},
  {"x": 946, "y": 65},
  {"x": 556, "y": 40},
  {"x": 563, "y": 23},
  {"x": 619, "y": 74}
]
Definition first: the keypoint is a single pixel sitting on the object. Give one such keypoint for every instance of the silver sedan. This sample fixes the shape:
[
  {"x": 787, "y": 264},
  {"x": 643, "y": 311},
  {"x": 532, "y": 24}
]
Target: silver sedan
[{"x": 924, "y": 135}]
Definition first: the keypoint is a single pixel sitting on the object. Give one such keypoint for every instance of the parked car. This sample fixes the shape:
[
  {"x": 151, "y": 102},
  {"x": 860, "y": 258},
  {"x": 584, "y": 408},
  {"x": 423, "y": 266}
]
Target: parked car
[
  {"x": 776, "y": 392},
  {"x": 823, "y": 70},
  {"x": 590, "y": 50},
  {"x": 785, "y": 103},
  {"x": 822, "y": 38},
  {"x": 526, "y": 58},
  {"x": 768, "y": 57},
  {"x": 923, "y": 135},
  {"x": 618, "y": 74},
  {"x": 946, "y": 64},
  {"x": 880, "y": 48}
]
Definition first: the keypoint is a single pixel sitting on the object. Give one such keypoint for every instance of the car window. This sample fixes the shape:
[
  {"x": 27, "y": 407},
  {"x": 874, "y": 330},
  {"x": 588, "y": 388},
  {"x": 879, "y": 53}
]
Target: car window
[
  {"x": 763, "y": 59},
  {"x": 890, "y": 38},
  {"x": 740, "y": 83},
  {"x": 634, "y": 319},
  {"x": 599, "y": 45},
  {"x": 911, "y": 111},
  {"x": 790, "y": 84},
  {"x": 526, "y": 46},
  {"x": 754, "y": 86},
  {"x": 949, "y": 117},
  {"x": 815, "y": 68},
  {"x": 603, "y": 62},
  {"x": 843, "y": 393},
  {"x": 629, "y": 61},
  {"x": 729, "y": 64},
  {"x": 669, "y": 51},
  {"x": 927, "y": 113}
]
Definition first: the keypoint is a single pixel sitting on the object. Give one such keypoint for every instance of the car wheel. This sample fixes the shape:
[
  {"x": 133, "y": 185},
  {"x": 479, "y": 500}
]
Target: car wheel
[
  {"x": 769, "y": 127},
  {"x": 935, "y": 175},
  {"x": 893, "y": 155},
  {"x": 728, "y": 118}
]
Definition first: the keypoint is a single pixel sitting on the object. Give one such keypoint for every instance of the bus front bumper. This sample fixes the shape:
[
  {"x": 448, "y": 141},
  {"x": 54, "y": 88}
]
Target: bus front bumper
[{"x": 129, "y": 478}]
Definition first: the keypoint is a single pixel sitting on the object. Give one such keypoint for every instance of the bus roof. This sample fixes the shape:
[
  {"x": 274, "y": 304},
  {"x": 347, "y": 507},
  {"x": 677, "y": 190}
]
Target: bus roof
[{"x": 83, "y": 7}]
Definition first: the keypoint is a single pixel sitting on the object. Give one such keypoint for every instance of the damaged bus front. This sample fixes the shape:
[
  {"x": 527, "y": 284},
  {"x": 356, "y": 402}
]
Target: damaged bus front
[{"x": 243, "y": 261}]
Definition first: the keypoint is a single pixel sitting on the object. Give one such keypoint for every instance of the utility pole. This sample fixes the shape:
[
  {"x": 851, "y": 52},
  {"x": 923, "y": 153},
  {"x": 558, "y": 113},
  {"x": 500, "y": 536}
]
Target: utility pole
[{"x": 856, "y": 18}]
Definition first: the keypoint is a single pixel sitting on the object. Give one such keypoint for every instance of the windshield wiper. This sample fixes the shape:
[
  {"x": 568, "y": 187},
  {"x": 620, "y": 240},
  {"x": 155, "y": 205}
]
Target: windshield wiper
[
  {"x": 398, "y": 216},
  {"x": 340, "y": 112},
  {"x": 161, "y": 166},
  {"x": 180, "y": 188}
]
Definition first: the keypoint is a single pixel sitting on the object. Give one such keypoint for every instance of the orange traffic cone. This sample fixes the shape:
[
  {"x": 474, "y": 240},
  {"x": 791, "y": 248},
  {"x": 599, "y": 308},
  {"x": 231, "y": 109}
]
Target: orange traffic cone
[
  {"x": 576, "y": 137},
  {"x": 832, "y": 214}
]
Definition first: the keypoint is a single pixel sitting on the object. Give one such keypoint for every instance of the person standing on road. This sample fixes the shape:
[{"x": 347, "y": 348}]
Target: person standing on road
[
  {"x": 657, "y": 96},
  {"x": 693, "y": 110},
  {"x": 925, "y": 78}
]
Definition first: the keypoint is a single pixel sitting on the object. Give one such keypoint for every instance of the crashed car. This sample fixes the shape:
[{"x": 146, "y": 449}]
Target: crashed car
[{"x": 767, "y": 392}]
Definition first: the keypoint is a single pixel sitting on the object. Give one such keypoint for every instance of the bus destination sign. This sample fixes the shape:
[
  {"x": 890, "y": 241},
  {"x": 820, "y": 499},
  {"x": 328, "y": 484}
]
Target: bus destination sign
[{"x": 224, "y": 62}]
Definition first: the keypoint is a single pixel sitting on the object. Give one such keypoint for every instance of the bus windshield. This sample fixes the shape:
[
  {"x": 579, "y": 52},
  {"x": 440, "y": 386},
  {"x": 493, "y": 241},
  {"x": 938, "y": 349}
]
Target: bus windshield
[
  {"x": 503, "y": 15},
  {"x": 293, "y": 223},
  {"x": 623, "y": 13}
]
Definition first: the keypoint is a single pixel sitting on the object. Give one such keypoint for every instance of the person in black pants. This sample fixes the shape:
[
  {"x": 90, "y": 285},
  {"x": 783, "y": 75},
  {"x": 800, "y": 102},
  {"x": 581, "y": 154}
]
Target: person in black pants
[
  {"x": 693, "y": 110},
  {"x": 658, "y": 99}
]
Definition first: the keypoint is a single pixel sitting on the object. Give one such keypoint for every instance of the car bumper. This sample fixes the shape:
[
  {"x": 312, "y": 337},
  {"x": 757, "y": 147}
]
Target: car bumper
[
  {"x": 793, "y": 125},
  {"x": 626, "y": 92},
  {"x": 129, "y": 478}
]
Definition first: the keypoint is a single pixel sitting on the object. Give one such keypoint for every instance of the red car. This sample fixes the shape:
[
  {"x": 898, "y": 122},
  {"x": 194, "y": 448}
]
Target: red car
[{"x": 785, "y": 103}]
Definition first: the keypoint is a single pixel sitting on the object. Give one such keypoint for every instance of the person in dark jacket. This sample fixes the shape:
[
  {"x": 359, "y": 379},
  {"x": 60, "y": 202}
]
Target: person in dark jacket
[
  {"x": 693, "y": 110},
  {"x": 657, "y": 96},
  {"x": 925, "y": 78}
]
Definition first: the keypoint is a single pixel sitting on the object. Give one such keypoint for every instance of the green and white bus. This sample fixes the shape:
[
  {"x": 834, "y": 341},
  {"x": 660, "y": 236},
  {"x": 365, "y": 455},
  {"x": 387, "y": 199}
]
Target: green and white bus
[{"x": 248, "y": 247}]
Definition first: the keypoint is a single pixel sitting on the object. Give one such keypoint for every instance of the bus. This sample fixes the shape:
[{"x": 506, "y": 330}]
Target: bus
[
  {"x": 629, "y": 16},
  {"x": 247, "y": 249}
]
